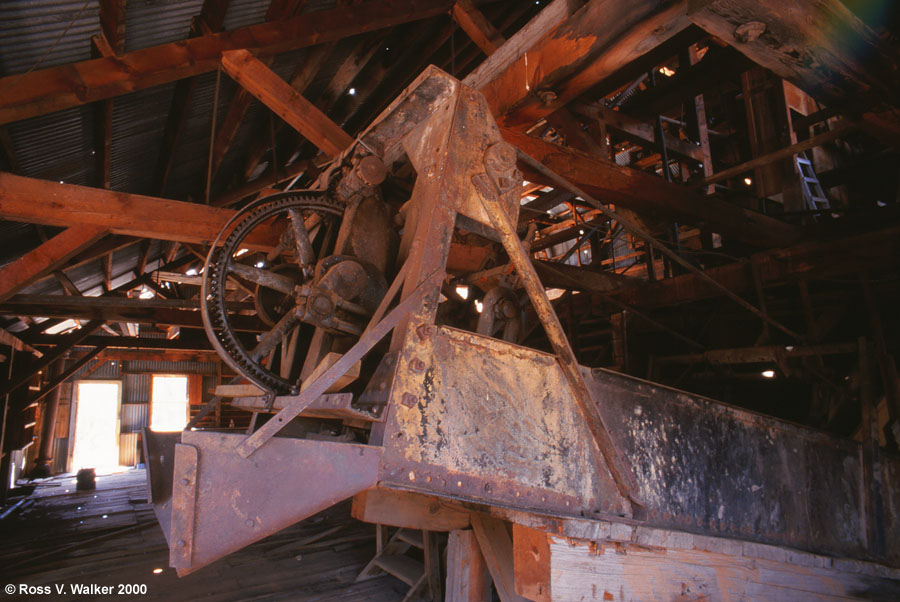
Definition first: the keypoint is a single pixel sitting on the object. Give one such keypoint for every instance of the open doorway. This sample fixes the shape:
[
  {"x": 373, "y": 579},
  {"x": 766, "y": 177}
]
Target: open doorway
[
  {"x": 168, "y": 403},
  {"x": 96, "y": 424}
]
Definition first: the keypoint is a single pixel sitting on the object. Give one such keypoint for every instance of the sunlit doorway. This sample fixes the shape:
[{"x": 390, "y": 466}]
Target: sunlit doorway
[
  {"x": 168, "y": 403},
  {"x": 96, "y": 425}
]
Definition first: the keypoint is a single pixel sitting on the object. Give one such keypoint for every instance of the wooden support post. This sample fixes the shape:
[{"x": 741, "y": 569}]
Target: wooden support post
[
  {"x": 64, "y": 375},
  {"x": 531, "y": 560},
  {"x": 886, "y": 365},
  {"x": 431, "y": 541},
  {"x": 468, "y": 579},
  {"x": 497, "y": 549},
  {"x": 51, "y": 255},
  {"x": 872, "y": 470}
]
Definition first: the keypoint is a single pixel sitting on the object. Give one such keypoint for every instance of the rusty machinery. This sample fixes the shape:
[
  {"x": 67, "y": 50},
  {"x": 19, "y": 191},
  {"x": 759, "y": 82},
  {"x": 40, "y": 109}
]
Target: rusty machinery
[{"x": 442, "y": 408}]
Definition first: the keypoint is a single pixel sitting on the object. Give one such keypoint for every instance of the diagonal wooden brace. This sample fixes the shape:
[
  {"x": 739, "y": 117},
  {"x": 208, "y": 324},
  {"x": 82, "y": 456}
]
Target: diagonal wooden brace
[
  {"x": 621, "y": 473},
  {"x": 369, "y": 339}
]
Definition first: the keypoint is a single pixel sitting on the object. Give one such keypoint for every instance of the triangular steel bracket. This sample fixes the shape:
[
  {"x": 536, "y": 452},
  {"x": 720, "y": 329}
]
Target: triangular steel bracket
[{"x": 222, "y": 502}]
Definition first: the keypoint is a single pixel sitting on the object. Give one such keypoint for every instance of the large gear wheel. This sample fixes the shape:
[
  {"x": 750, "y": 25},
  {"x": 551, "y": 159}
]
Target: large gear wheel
[{"x": 284, "y": 219}]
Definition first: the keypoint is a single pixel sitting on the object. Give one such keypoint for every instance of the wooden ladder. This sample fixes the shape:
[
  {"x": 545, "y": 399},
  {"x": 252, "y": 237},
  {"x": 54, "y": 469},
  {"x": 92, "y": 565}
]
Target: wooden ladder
[{"x": 392, "y": 557}]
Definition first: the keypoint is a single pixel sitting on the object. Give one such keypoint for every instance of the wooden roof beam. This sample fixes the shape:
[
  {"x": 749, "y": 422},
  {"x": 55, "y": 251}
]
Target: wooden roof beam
[
  {"x": 46, "y": 258},
  {"x": 477, "y": 26},
  {"x": 349, "y": 68},
  {"x": 814, "y": 260},
  {"x": 286, "y": 102},
  {"x": 50, "y": 203},
  {"x": 173, "y": 312},
  {"x": 561, "y": 54},
  {"x": 650, "y": 195},
  {"x": 822, "y": 47},
  {"x": 56, "y": 88},
  {"x": 112, "y": 24},
  {"x": 303, "y": 75}
]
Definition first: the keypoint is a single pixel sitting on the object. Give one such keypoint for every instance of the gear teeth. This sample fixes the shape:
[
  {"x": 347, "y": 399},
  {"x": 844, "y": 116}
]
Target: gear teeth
[{"x": 216, "y": 275}]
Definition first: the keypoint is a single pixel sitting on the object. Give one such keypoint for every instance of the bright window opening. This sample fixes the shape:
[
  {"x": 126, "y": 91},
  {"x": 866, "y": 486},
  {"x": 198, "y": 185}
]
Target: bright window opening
[
  {"x": 169, "y": 403},
  {"x": 96, "y": 425}
]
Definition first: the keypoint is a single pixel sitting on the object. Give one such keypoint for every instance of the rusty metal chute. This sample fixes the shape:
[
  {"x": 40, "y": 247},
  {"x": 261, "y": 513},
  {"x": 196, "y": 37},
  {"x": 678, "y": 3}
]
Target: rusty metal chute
[{"x": 439, "y": 409}]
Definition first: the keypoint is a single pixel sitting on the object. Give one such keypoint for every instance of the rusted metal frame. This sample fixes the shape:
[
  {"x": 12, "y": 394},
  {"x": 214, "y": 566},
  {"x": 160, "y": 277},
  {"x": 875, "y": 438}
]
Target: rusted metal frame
[
  {"x": 184, "y": 506},
  {"x": 63, "y": 347},
  {"x": 651, "y": 240},
  {"x": 392, "y": 291},
  {"x": 621, "y": 473},
  {"x": 372, "y": 336},
  {"x": 65, "y": 375}
]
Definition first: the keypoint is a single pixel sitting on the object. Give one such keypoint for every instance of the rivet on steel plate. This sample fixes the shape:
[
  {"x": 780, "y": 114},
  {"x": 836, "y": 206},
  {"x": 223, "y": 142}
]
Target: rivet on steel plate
[
  {"x": 409, "y": 400},
  {"x": 459, "y": 483},
  {"x": 184, "y": 481},
  {"x": 249, "y": 522},
  {"x": 417, "y": 365},
  {"x": 180, "y": 543},
  {"x": 423, "y": 331}
]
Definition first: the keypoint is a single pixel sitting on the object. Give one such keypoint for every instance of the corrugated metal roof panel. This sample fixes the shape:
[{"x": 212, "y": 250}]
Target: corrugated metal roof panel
[
  {"x": 154, "y": 22},
  {"x": 56, "y": 146},
  {"x": 245, "y": 12},
  {"x": 139, "y": 121},
  {"x": 31, "y": 33}
]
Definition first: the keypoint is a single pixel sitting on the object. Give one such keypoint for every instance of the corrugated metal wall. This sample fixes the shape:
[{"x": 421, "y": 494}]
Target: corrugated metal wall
[{"x": 135, "y": 377}]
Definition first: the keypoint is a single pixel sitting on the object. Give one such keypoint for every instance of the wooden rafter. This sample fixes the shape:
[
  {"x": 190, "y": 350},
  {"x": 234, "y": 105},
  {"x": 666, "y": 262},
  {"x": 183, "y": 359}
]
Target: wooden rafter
[
  {"x": 850, "y": 255},
  {"x": 112, "y": 24},
  {"x": 290, "y": 105},
  {"x": 641, "y": 131},
  {"x": 47, "y": 257},
  {"x": 210, "y": 20},
  {"x": 798, "y": 42},
  {"x": 560, "y": 55},
  {"x": 112, "y": 309},
  {"x": 300, "y": 79},
  {"x": 56, "y": 88},
  {"x": 120, "y": 213},
  {"x": 477, "y": 27},
  {"x": 349, "y": 68},
  {"x": 651, "y": 195}
]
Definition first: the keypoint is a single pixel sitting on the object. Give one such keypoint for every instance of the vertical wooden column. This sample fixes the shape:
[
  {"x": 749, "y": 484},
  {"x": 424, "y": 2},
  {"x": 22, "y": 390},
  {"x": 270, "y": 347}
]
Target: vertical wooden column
[{"x": 468, "y": 579}]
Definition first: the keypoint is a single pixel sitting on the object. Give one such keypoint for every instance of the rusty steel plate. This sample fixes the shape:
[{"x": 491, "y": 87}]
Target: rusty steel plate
[
  {"x": 707, "y": 467},
  {"x": 480, "y": 419},
  {"x": 235, "y": 501}
]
